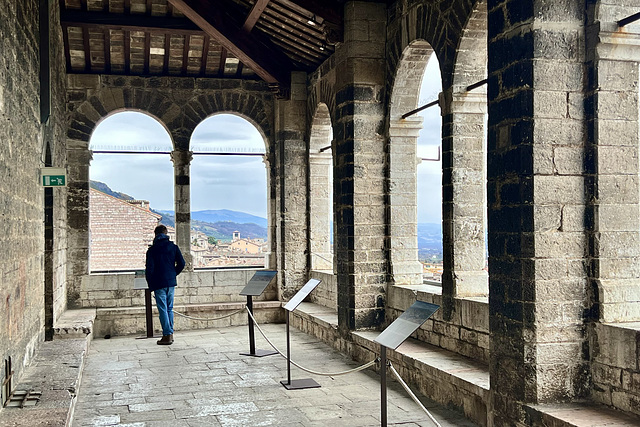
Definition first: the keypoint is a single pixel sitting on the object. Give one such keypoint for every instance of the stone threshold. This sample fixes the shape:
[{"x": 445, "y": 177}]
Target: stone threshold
[{"x": 448, "y": 378}]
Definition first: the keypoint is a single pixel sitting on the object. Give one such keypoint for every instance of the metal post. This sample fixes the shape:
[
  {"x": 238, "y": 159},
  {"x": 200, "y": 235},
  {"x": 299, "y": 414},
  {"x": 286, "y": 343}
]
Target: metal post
[
  {"x": 148, "y": 312},
  {"x": 288, "y": 351},
  {"x": 383, "y": 386},
  {"x": 252, "y": 340}
]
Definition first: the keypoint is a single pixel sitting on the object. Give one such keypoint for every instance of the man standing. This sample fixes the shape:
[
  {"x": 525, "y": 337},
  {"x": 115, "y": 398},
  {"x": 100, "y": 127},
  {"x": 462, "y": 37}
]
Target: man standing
[{"x": 164, "y": 263}]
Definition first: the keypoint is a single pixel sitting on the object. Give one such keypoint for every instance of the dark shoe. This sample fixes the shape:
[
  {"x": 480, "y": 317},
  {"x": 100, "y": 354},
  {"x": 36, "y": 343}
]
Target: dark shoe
[{"x": 166, "y": 340}]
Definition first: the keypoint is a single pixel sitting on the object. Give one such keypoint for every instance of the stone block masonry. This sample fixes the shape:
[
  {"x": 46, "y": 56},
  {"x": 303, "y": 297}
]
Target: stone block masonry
[{"x": 22, "y": 153}]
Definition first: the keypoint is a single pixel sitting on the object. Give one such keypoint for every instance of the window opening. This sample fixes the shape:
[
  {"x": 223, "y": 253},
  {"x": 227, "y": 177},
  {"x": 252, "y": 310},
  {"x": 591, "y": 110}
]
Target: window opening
[
  {"x": 131, "y": 190},
  {"x": 229, "y": 220}
]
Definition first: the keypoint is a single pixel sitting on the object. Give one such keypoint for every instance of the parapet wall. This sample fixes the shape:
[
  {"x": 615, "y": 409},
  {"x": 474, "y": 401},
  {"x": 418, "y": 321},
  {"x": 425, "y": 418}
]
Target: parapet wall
[
  {"x": 197, "y": 287},
  {"x": 615, "y": 367},
  {"x": 466, "y": 334}
]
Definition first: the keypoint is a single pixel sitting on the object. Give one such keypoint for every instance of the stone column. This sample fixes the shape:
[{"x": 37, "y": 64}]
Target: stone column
[
  {"x": 291, "y": 158},
  {"x": 612, "y": 115},
  {"x": 270, "y": 260},
  {"x": 182, "y": 201},
  {"x": 79, "y": 159},
  {"x": 463, "y": 196},
  {"x": 403, "y": 201},
  {"x": 360, "y": 171},
  {"x": 321, "y": 210},
  {"x": 536, "y": 205}
]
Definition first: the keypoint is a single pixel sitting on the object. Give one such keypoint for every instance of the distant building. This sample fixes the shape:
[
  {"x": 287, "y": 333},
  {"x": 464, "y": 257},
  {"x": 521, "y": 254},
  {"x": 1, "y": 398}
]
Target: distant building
[
  {"x": 244, "y": 245},
  {"x": 120, "y": 232}
]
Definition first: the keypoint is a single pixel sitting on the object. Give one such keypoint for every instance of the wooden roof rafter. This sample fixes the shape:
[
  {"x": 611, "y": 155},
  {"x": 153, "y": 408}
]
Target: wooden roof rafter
[{"x": 257, "y": 53}]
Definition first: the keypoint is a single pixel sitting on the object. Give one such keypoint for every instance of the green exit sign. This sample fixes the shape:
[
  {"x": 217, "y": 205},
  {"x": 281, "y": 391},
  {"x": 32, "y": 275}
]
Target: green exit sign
[{"x": 53, "y": 177}]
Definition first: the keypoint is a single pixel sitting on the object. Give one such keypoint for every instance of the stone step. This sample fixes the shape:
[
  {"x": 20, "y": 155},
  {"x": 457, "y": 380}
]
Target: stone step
[
  {"x": 578, "y": 414},
  {"x": 75, "y": 324},
  {"x": 117, "y": 321}
]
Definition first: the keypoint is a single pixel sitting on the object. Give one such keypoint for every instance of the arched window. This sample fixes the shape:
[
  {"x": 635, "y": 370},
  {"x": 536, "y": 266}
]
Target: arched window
[
  {"x": 321, "y": 190},
  {"x": 229, "y": 192},
  {"x": 131, "y": 189}
]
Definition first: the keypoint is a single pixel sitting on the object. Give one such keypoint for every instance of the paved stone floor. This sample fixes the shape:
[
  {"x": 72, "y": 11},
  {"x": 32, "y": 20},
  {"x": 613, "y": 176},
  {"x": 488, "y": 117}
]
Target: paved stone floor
[{"x": 202, "y": 380}]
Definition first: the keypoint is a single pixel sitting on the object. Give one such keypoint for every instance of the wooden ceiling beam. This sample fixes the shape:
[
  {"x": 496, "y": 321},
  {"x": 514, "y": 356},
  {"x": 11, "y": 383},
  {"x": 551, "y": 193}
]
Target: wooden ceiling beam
[
  {"x": 328, "y": 10},
  {"x": 256, "y": 11},
  {"x": 267, "y": 62},
  {"x": 74, "y": 18}
]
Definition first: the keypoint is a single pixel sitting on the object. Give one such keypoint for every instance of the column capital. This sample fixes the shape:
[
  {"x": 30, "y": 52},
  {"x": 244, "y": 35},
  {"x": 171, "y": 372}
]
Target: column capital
[
  {"x": 466, "y": 102},
  {"x": 409, "y": 127},
  {"x": 181, "y": 157}
]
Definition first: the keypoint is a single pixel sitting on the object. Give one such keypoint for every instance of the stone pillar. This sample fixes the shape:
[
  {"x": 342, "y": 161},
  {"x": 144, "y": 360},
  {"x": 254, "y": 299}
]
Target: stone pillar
[
  {"x": 359, "y": 173},
  {"x": 291, "y": 158},
  {"x": 321, "y": 210},
  {"x": 612, "y": 116},
  {"x": 78, "y": 158},
  {"x": 403, "y": 201},
  {"x": 182, "y": 201},
  {"x": 463, "y": 196},
  {"x": 270, "y": 259},
  {"x": 536, "y": 205}
]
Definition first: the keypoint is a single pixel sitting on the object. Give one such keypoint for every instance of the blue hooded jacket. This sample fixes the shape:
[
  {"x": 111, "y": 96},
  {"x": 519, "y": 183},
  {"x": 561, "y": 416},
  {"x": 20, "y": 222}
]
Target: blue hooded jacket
[{"x": 164, "y": 263}]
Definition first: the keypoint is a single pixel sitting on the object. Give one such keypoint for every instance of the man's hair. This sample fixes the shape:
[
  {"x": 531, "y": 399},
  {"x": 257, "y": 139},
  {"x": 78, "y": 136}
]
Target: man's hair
[{"x": 161, "y": 229}]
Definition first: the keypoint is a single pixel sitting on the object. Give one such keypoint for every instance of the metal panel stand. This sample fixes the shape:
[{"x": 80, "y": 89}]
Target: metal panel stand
[
  {"x": 252, "y": 339},
  {"x": 140, "y": 283},
  {"x": 290, "y": 384},
  {"x": 256, "y": 287},
  {"x": 394, "y": 335},
  {"x": 383, "y": 386}
]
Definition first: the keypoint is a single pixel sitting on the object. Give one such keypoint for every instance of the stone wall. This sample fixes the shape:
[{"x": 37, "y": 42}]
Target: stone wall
[
  {"x": 22, "y": 153},
  {"x": 615, "y": 367},
  {"x": 197, "y": 287},
  {"x": 465, "y": 333}
]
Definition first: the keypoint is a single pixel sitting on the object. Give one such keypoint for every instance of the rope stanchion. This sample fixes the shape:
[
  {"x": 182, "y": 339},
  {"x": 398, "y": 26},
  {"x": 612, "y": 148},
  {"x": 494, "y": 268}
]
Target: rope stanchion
[
  {"x": 413, "y": 396},
  {"x": 332, "y": 374},
  {"x": 209, "y": 319}
]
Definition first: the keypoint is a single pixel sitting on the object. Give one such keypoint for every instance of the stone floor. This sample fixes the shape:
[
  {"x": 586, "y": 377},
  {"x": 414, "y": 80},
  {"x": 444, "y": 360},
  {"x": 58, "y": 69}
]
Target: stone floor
[{"x": 202, "y": 380}]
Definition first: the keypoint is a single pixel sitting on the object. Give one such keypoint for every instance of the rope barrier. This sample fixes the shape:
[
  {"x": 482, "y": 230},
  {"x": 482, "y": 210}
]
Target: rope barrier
[
  {"x": 413, "y": 396},
  {"x": 211, "y": 319},
  {"x": 332, "y": 374}
]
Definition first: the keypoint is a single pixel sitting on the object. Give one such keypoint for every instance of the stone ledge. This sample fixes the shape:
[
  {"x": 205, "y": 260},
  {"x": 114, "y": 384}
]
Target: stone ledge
[
  {"x": 447, "y": 377},
  {"x": 75, "y": 324},
  {"x": 55, "y": 371},
  {"x": 578, "y": 414}
]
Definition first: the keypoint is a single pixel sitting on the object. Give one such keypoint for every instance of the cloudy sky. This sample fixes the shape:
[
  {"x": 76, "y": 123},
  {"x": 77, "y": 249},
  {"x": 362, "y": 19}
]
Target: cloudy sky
[{"x": 230, "y": 182}]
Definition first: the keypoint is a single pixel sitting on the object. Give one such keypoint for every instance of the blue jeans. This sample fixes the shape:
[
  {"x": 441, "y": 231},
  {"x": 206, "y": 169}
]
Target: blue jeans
[{"x": 164, "y": 302}]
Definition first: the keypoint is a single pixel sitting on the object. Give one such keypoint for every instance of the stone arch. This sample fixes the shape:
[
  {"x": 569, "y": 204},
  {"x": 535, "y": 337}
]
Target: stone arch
[
  {"x": 110, "y": 101},
  {"x": 440, "y": 24},
  {"x": 403, "y": 137},
  {"x": 250, "y": 107},
  {"x": 320, "y": 174}
]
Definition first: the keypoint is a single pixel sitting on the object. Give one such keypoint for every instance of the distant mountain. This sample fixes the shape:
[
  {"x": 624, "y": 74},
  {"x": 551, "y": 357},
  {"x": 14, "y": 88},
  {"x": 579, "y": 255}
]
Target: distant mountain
[
  {"x": 104, "y": 188},
  {"x": 222, "y": 215},
  {"x": 429, "y": 240},
  {"x": 223, "y": 222}
]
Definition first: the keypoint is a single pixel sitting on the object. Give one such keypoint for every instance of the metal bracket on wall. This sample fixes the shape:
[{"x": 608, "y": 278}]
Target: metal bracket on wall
[{"x": 6, "y": 383}]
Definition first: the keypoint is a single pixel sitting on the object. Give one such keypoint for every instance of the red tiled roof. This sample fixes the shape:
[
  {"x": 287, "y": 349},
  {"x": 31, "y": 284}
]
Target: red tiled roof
[{"x": 120, "y": 233}]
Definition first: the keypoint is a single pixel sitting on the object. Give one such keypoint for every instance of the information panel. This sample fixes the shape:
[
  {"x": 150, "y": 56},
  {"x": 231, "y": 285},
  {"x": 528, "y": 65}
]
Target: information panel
[
  {"x": 258, "y": 283},
  {"x": 302, "y": 294},
  {"x": 406, "y": 324}
]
